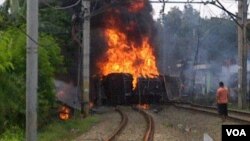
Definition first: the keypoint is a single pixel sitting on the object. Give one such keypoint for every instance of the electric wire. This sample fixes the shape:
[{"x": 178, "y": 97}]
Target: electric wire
[
  {"x": 233, "y": 16},
  {"x": 229, "y": 1},
  {"x": 205, "y": 35},
  {"x": 62, "y": 8},
  {"x": 74, "y": 31},
  {"x": 210, "y": 12},
  {"x": 32, "y": 39},
  {"x": 196, "y": 56},
  {"x": 27, "y": 35}
]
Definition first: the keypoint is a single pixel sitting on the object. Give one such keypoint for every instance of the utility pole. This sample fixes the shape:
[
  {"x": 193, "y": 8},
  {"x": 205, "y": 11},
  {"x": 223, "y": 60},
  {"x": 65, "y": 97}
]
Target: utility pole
[
  {"x": 14, "y": 5},
  {"x": 31, "y": 70},
  {"x": 242, "y": 53},
  {"x": 86, "y": 55},
  {"x": 164, "y": 52}
]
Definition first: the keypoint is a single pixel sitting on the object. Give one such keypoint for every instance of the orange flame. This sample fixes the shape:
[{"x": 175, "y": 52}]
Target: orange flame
[
  {"x": 91, "y": 105},
  {"x": 136, "y": 6},
  {"x": 143, "y": 106},
  {"x": 64, "y": 113},
  {"x": 124, "y": 55}
]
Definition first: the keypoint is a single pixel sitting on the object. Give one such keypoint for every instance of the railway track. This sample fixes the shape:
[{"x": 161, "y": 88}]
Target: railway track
[
  {"x": 232, "y": 114},
  {"x": 149, "y": 134},
  {"x": 121, "y": 126}
]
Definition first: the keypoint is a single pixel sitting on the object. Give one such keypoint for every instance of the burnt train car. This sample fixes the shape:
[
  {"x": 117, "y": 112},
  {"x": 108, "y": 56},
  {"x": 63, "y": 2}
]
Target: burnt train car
[
  {"x": 150, "y": 91},
  {"x": 118, "y": 89}
]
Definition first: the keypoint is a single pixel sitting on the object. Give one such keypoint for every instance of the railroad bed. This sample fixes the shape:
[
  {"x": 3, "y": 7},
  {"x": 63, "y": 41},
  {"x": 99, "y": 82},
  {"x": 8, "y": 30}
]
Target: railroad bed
[
  {"x": 232, "y": 114},
  {"x": 135, "y": 125},
  {"x": 126, "y": 124},
  {"x": 171, "y": 123}
]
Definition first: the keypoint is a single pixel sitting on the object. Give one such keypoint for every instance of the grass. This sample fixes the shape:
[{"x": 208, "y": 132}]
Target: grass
[
  {"x": 235, "y": 107},
  {"x": 57, "y": 130},
  {"x": 66, "y": 130},
  {"x": 14, "y": 133},
  {"x": 168, "y": 125}
]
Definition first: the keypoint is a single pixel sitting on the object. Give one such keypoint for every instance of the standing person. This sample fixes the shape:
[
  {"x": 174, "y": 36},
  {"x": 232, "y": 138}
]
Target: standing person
[{"x": 222, "y": 96}]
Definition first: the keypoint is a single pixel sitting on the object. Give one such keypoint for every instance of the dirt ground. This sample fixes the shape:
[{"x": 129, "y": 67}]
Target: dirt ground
[
  {"x": 187, "y": 125},
  {"x": 171, "y": 124},
  {"x": 104, "y": 128}
]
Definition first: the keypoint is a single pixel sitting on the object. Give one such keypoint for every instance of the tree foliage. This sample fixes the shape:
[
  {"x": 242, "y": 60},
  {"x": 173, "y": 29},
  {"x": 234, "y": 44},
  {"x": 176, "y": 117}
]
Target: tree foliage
[
  {"x": 189, "y": 37},
  {"x": 218, "y": 40},
  {"x": 13, "y": 61},
  {"x": 13, "y": 73}
]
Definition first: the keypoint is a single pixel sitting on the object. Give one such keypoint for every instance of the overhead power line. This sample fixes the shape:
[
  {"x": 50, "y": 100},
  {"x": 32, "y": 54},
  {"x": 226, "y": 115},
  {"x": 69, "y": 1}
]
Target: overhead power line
[
  {"x": 233, "y": 16},
  {"x": 62, "y": 8},
  {"x": 182, "y": 2},
  {"x": 216, "y": 3}
]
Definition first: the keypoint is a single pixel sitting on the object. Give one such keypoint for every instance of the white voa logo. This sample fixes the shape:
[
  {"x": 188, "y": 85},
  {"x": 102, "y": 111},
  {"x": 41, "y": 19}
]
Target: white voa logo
[{"x": 236, "y": 132}]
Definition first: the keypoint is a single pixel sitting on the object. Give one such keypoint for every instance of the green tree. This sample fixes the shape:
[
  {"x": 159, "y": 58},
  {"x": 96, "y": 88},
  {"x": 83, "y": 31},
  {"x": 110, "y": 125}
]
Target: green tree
[
  {"x": 12, "y": 79},
  {"x": 171, "y": 29},
  {"x": 218, "y": 41},
  {"x": 188, "y": 35},
  {"x": 181, "y": 29}
]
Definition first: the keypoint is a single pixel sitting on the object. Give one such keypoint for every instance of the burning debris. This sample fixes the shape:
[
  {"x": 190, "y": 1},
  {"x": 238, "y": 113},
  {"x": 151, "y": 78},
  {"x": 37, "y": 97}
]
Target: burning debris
[
  {"x": 64, "y": 112},
  {"x": 68, "y": 94},
  {"x": 143, "y": 106}
]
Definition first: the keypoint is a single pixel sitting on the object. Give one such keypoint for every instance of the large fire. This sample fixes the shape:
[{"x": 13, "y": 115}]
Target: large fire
[{"x": 124, "y": 55}]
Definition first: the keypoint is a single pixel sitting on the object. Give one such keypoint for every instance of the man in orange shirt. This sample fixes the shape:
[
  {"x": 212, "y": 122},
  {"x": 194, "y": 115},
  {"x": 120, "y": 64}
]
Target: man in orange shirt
[{"x": 222, "y": 96}]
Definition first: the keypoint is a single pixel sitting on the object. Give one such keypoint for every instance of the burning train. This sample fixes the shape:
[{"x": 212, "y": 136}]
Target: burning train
[
  {"x": 117, "y": 89},
  {"x": 127, "y": 60},
  {"x": 123, "y": 55}
]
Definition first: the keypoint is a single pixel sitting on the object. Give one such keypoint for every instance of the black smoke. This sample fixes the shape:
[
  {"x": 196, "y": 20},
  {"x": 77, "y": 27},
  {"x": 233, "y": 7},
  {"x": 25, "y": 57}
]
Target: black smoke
[{"x": 134, "y": 24}]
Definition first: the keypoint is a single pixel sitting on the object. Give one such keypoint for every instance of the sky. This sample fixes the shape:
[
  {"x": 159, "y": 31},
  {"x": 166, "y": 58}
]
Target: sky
[
  {"x": 205, "y": 10},
  {"x": 1, "y": 1}
]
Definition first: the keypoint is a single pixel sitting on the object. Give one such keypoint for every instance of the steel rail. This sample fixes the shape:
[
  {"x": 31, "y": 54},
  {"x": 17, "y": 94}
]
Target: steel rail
[
  {"x": 149, "y": 134},
  {"x": 232, "y": 114},
  {"x": 121, "y": 126}
]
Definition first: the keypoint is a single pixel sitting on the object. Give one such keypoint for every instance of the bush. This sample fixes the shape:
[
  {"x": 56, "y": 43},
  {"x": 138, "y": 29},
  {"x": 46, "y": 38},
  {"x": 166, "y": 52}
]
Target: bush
[
  {"x": 13, "y": 75},
  {"x": 66, "y": 130},
  {"x": 12, "y": 134}
]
